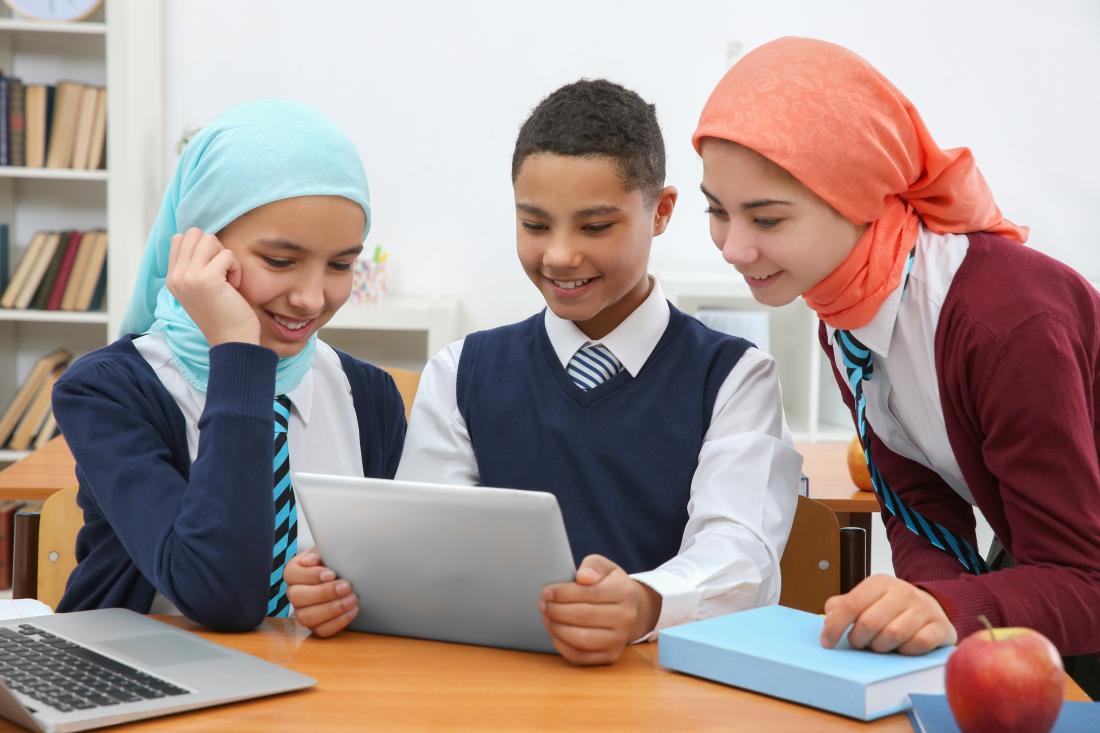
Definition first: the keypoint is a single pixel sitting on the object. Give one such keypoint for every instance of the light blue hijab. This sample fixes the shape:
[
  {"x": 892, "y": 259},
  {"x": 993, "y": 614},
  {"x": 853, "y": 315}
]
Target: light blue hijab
[{"x": 252, "y": 155}]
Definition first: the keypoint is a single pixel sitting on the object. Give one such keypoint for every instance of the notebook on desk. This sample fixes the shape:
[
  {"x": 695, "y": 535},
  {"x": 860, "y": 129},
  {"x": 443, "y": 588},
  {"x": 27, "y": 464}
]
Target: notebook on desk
[
  {"x": 932, "y": 714},
  {"x": 452, "y": 563},
  {"x": 776, "y": 651},
  {"x": 89, "y": 669}
]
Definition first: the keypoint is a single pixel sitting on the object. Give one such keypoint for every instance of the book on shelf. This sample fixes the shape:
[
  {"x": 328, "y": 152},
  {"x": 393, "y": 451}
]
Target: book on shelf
[
  {"x": 66, "y": 114},
  {"x": 5, "y": 258},
  {"x": 57, "y": 287},
  {"x": 37, "y": 411},
  {"x": 39, "y": 112},
  {"x": 85, "y": 123},
  {"x": 5, "y": 111},
  {"x": 83, "y": 281},
  {"x": 49, "y": 277},
  {"x": 96, "y": 158},
  {"x": 58, "y": 271},
  {"x": 17, "y": 122},
  {"x": 48, "y": 432},
  {"x": 29, "y": 390}
]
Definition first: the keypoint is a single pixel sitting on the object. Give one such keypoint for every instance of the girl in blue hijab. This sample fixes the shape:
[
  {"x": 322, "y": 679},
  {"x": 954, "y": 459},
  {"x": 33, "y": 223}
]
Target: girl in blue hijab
[{"x": 186, "y": 429}]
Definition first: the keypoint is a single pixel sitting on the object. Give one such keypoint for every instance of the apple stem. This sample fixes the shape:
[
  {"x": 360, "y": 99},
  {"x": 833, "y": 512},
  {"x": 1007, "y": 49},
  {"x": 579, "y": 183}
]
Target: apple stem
[{"x": 985, "y": 622}]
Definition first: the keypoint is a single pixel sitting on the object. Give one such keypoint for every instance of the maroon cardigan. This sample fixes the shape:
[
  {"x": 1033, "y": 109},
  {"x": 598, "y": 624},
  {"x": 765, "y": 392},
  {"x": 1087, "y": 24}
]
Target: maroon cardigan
[{"x": 1017, "y": 354}]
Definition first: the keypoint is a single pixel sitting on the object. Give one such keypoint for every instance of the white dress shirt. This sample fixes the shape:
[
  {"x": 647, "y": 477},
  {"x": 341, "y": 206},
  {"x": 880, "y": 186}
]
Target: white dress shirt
[
  {"x": 323, "y": 433},
  {"x": 743, "y": 494},
  {"x": 902, "y": 337}
]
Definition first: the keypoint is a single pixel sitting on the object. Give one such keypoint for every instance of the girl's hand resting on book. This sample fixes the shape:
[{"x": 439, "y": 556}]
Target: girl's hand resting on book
[
  {"x": 887, "y": 614},
  {"x": 323, "y": 603},
  {"x": 204, "y": 277}
]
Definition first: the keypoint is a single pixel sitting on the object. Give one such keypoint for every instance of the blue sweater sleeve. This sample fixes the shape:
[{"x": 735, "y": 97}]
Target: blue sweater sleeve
[{"x": 202, "y": 536}]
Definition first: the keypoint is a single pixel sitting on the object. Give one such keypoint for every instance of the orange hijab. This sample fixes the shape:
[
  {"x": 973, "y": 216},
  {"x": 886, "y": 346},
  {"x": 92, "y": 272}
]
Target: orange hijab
[{"x": 837, "y": 125}]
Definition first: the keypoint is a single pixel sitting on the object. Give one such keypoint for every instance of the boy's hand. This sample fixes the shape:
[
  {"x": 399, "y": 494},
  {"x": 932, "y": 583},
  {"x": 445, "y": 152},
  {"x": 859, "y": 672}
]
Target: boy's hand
[
  {"x": 888, "y": 614},
  {"x": 593, "y": 619},
  {"x": 204, "y": 277},
  {"x": 322, "y": 603}
]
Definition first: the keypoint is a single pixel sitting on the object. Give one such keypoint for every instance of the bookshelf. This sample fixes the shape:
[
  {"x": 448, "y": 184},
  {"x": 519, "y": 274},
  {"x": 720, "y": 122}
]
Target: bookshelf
[
  {"x": 120, "y": 47},
  {"x": 811, "y": 398}
]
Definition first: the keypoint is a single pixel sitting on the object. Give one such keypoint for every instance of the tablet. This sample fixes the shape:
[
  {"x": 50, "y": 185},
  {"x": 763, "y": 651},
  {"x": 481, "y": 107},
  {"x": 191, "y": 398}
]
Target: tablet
[{"x": 454, "y": 563}]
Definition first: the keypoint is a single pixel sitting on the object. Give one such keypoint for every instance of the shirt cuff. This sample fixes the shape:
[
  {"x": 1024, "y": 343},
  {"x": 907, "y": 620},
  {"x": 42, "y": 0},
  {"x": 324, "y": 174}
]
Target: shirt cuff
[
  {"x": 964, "y": 600},
  {"x": 679, "y": 600}
]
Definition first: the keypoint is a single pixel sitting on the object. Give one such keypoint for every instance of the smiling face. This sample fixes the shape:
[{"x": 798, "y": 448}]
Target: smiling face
[
  {"x": 296, "y": 258},
  {"x": 584, "y": 239},
  {"x": 780, "y": 235}
]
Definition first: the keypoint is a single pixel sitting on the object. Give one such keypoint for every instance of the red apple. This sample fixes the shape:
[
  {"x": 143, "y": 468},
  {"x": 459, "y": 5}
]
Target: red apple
[{"x": 1005, "y": 681}]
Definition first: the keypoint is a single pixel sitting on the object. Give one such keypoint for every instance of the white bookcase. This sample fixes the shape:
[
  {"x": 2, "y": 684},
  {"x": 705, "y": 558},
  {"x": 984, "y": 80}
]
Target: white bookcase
[
  {"x": 811, "y": 398},
  {"x": 119, "y": 47}
]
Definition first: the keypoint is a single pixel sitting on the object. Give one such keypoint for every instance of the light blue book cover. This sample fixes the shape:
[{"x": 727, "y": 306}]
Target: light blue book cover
[{"x": 776, "y": 651}]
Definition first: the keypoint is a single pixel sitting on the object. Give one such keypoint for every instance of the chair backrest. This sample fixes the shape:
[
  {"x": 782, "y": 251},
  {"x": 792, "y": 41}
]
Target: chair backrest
[
  {"x": 407, "y": 381},
  {"x": 810, "y": 567},
  {"x": 59, "y": 522}
]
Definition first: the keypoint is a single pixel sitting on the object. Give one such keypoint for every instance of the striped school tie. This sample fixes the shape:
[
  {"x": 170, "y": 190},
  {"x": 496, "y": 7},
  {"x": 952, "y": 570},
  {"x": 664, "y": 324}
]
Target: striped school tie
[
  {"x": 860, "y": 367},
  {"x": 592, "y": 365},
  {"x": 286, "y": 512}
]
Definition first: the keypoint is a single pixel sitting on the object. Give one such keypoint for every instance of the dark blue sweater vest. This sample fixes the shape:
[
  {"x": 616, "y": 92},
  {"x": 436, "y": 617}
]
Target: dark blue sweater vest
[{"x": 620, "y": 457}]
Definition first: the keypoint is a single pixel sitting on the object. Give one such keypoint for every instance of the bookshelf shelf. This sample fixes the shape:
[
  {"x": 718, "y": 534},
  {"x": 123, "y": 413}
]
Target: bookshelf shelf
[
  {"x": 52, "y": 174},
  {"x": 121, "y": 49},
  {"x": 36, "y": 26},
  {"x": 40, "y": 316},
  {"x": 814, "y": 409}
]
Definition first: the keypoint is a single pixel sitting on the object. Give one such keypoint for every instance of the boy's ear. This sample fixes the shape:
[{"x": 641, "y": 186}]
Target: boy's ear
[{"x": 662, "y": 210}]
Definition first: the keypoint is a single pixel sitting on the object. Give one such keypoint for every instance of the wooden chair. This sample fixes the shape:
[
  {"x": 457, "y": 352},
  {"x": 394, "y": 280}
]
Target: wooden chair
[
  {"x": 820, "y": 559},
  {"x": 44, "y": 548},
  {"x": 407, "y": 381}
]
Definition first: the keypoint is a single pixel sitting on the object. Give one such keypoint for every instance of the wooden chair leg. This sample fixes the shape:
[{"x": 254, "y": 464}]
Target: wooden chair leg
[
  {"x": 25, "y": 556},
  {"x": 853, "y": 557}
]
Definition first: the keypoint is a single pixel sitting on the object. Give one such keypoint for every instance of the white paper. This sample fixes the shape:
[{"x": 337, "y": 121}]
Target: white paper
[{"x": 22, "y": 608}]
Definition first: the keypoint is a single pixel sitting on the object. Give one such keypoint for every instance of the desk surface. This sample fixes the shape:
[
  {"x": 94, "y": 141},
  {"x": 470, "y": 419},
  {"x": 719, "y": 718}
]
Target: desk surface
[
  {"x": 46, "y": 470},
  {"x": 51, "y": 468},
  {"x": 826, "y": 465},
  {"x": 367, "y": 682}
]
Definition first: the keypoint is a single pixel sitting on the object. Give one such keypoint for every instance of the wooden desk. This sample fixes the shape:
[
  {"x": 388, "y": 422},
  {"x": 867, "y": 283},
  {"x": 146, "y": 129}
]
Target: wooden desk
[
  {"x": 37, "y": 476},
  {"x": 367, "y": 682}
]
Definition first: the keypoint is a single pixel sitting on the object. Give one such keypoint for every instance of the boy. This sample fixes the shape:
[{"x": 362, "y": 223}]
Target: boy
[{"x": 663, "y": 441}]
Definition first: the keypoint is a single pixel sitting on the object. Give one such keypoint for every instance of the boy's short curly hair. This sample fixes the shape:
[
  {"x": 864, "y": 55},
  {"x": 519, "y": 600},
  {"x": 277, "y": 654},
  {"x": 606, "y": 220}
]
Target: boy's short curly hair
[{"x": 594, "y": 117}]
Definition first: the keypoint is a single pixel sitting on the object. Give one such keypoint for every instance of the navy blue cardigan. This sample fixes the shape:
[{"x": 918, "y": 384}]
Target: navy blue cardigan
[{"x": 199, "y": 533}]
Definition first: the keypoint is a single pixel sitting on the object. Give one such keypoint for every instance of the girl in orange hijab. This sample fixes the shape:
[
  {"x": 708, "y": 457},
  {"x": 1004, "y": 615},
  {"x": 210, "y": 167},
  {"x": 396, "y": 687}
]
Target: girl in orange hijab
[{"x": 969, "y": 361}]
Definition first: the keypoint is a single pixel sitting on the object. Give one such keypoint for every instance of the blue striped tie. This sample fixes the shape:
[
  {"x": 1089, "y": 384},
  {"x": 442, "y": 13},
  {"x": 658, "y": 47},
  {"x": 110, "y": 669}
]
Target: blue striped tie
[
  {"x": 592, "y": 365},
  {"x": 860, "y": 367},
  {"x": 286, "y": 512}
]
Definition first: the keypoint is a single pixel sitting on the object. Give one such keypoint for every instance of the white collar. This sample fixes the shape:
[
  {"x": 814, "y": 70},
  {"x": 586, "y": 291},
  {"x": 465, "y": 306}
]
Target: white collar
[
  {"x": 301, "y": 397},
  {"x": 632, "y": 342}
]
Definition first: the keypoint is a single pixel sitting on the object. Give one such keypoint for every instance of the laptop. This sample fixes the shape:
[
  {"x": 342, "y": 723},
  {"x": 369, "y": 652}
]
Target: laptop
[
  {"x": 88, "y": 669},
  {"x": 451, "y": 563}
]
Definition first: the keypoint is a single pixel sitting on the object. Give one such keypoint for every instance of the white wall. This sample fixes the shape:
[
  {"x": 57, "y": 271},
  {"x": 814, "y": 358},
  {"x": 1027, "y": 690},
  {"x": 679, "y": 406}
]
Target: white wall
[{"x": 434, "y": 93}]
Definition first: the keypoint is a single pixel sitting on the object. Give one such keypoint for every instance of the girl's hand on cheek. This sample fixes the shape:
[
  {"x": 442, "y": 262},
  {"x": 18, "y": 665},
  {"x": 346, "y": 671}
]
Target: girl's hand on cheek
[{"x": 204, "y": 277}]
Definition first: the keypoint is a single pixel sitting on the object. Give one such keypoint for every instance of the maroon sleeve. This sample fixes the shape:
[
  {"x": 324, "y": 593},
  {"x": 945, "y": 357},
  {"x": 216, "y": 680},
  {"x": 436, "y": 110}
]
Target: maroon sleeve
[{"x": 1034, "y": 414}]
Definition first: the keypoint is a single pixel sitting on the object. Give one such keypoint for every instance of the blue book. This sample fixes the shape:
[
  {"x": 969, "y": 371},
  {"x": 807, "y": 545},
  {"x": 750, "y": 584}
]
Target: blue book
[
  {"x": 776, "y": 651},
  {"x": 932, "y": 714}
]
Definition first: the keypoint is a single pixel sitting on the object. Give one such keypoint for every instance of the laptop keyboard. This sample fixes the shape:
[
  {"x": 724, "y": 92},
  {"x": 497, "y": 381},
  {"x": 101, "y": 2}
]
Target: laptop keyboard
[{"x": 66, "y": 676}]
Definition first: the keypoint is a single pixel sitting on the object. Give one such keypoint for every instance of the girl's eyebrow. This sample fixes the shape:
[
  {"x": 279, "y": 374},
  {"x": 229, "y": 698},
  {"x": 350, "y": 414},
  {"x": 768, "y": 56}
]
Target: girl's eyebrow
[
  {"x": 755, "y": 204},
  {"x": 292, "y": 246}
]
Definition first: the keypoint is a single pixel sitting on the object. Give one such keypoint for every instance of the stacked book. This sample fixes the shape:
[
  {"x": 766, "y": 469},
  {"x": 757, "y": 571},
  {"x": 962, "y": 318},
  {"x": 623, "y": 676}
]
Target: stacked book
[
  {"x": 28, "y": 420},
  {"x": 63, "y": 270},
  {"x": 61, "y": 125}
]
